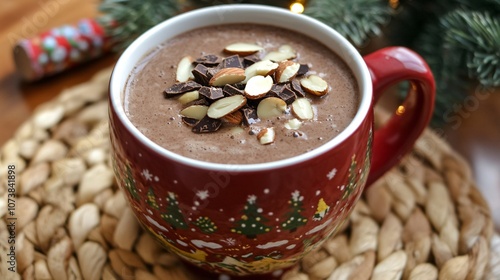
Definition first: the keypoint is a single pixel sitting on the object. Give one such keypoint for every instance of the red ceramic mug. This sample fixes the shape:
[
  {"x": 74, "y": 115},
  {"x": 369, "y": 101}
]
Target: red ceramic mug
[{"x": 248, "y": 219}]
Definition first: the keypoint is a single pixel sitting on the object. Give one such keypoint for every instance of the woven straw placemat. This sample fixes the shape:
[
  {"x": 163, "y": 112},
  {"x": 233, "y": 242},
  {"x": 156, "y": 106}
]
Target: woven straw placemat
[{"x": 425, "y": 219}]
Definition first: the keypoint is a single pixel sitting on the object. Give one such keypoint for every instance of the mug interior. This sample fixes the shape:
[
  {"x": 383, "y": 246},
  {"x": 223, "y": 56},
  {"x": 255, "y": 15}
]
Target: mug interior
[{"x": 240, "y": 13}]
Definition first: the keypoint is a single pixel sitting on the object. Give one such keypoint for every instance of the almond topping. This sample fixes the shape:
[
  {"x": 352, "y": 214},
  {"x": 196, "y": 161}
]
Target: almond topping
[
  {"x": 184, "y": 69},
  {"x": 266, "y": 136},
  {"x": 235, "y": 117},
  {"x": 293, "y": 124},
  {"x": 188, "y": 97},
  {"x": 196, "y": 112},
  {"x": 315, "y": 85},
  {"x": 285, "y": 52},
  {"x": 286, "y": 71},
  {"x": 242, "y": 49},
  {"x": 271, "y": 107},
  {"x": 226, "y": 105},
  {"x": 258, "y": 86},
  {"x": 263, "y": 68},
  {"x": 302, "y": 108},
  {"x": 225, "y": 76}
]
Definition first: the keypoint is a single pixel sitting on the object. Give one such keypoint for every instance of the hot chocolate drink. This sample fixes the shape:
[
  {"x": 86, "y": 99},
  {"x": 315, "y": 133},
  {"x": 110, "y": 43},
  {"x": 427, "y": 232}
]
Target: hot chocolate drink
[{"x": 241, "y": 94}]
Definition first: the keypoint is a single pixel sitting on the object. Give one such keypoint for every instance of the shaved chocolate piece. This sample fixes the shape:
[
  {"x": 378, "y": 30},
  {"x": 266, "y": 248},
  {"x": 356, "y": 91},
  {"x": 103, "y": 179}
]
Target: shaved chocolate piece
[
  {"x": 249, "y": 115},
  {"x": 189, "y": 121},
  {"x": 240, "y": 86},
  {"x": 287, "y": 95},
  {"x": 212, "y": 93},
  {"x": 232, "y": 61},
  {"x": 207, "y": 125},
  {"x": 209, "y": 60},
  {"x": 200, "y": 74},
  {"x": 303, "y": 69},
  {"x": 251, "y": 59},
  {"x": 297, "y": 88},
  {"x": 230, "y": 90},
  {"x": 201, "y": 101},
  {"x": 276, "y": 88},
  {"x": 179, "y": 88},
  {"x": 212, "y": 71}
]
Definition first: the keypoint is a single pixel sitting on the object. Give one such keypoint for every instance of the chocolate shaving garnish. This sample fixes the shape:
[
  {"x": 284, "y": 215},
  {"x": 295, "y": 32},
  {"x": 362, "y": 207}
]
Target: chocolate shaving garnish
[
  {"x": 207, "y": 125},
  {"x": 276, "y": 89},
  {"x": 189, "y": 121},
  {"x": 240, "y": 86},
  {"x": 297, "y": 88},
  {"x": 249, "y": 115},
  {"x": 287, "y": 95},
  {"x": 201, "y": 101},
  {"x": 179, "y": 88},
  {"x": 251, "y": 59},
  {"x": 211, "y": 72},
  {"x": 200, "y": 74},
  {"x": 303, "y": 69},
  {"x": 212, "y": 93},
  {"x": 232, "y": 61},
  {"x": 209, "y": 60},
  {"x": 230, "y": 90}
]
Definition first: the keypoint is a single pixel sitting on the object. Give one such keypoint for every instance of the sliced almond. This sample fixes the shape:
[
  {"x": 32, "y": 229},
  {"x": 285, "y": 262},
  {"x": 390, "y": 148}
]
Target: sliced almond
[
  {"x": 263, "y": 68},
  {"x": 315, "y": 85},
  {"x": 302, "y": 108},
  {"x": 195, "y": 112},
  {"x": 266, "y": 136},
  {"x": 235, "y": 117},
  {"x": 242, "y": 49},
  {"x": 184, "y": 69},
  {"x": 189, "y": 97},
  {"x": 271, "y": 107},
  {"x": 285, "y": 52},
  {"x": 226, "y": 76},
  {"x": 293, "y": 124},
  {"x": 258, "y": 86},
  {"x": 286, "y": 71},
  {"x": 226, "y": 105}
]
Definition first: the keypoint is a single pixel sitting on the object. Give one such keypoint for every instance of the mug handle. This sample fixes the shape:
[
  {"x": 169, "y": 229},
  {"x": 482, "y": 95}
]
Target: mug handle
[{"x": 389, "y": 66}]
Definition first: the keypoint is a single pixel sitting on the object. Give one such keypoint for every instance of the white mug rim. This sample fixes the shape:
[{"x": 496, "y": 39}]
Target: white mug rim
[{"x": 235, "y": 13}]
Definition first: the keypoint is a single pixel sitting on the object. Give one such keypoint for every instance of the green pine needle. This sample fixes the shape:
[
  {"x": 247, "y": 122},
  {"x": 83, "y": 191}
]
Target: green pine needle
[
  {"x": 125, "y": 20},
  {"x": 478, "y": 35},
  {"x": 356, "y": 20},
  {"x": 462, "y": 46}
]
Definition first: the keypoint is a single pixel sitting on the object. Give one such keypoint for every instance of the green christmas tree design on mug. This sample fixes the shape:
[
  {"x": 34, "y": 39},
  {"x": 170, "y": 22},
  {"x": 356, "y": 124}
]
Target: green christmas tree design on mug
[
  {"x": 251, "y": 222},
  {"x": 173, "y": 214},
  {"x": 294, "y": 217}
]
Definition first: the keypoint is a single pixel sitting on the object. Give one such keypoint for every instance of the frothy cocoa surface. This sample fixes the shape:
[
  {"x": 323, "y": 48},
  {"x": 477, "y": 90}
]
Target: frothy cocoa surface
[{"x": 158, "y": 118}]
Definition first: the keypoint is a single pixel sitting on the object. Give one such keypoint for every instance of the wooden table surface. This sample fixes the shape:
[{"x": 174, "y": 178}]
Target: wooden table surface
[{"x": 473, "y": 128}]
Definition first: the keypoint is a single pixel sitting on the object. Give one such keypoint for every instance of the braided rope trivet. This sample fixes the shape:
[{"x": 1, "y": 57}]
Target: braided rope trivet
[{"x": 423, "y": 220}]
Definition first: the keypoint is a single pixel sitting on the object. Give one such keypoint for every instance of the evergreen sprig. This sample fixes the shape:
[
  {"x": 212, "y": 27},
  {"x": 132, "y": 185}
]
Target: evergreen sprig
[
  {"x": 355, "y": 20},
  {"x": 125, "y": 20},
  {"x": 477, "y": 35},
  {"x": 461, "y": 46}
]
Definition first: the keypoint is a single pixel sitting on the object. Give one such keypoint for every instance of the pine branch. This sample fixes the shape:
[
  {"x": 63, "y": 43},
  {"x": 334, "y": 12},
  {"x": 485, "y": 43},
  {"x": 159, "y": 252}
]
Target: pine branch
[
  {"x": 125, "y": 20},
  {"x": 460, "y": 47},
  {"x": 356, "y": 20},
  {"x": 477, "y": 34}
]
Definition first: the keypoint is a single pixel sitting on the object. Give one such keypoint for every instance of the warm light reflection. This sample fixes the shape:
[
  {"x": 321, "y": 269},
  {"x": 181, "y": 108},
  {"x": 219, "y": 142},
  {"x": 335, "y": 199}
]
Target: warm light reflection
[
  {"x": 297, "y": 8},
  {"x": 400, "y": 110},
  {"x": 394, "y": 4}
]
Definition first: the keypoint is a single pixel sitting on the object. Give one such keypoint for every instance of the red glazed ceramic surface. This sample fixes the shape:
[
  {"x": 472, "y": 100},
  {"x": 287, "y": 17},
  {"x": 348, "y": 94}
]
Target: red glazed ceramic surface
[{"x": 252, "y": 219}]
